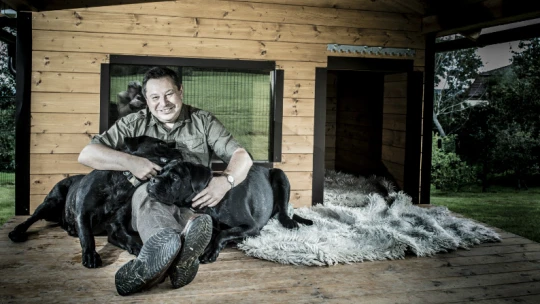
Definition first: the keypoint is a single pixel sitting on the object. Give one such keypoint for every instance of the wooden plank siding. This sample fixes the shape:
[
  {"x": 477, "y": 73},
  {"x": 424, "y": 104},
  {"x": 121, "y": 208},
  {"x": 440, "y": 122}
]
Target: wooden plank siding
[
  {"x": 394, "y": 125},
  {"x": 70, "y": 45}
]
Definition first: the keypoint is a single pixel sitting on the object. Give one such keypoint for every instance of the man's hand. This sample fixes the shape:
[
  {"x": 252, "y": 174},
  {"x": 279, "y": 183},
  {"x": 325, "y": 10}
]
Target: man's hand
[
  {"x": 141, "y": 167},
  {"x": 212, "y": 194}
]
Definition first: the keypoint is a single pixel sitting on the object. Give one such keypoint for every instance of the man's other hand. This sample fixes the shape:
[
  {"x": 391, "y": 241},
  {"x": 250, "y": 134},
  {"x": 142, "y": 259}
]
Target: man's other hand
[{"x": 212, "y": 194}]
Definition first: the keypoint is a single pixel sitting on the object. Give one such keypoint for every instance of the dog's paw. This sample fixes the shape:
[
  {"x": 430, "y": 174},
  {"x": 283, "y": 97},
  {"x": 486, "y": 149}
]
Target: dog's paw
[
  {"x": 288, "y": 223},
  {"x": 71, "y": 231},
  {"x": 209, "y": 256},
  {"x": 91, "y": 260},
  {"x": 134, "y": 249},
  {"x": 18, "y": 236}
]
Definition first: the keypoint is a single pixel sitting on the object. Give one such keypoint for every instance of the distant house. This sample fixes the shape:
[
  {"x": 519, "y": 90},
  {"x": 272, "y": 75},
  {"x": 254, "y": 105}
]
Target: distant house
[{"x": 478, "y": 92}]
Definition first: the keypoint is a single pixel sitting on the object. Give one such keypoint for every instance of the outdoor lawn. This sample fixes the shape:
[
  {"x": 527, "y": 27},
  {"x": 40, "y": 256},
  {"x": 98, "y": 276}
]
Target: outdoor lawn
[
  {"x": 502, "y": 207},
  {"x": 7, "y": 202}
]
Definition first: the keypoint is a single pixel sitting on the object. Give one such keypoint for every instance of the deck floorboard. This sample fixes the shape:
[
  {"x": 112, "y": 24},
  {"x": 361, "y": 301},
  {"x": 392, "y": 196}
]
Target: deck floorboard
[{"x": 47, "y": 269}]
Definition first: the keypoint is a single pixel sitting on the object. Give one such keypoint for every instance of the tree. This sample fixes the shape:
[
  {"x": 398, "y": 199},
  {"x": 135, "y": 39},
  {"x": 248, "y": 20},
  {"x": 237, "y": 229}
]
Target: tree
[
  {"x": 7, "y": 112},
  {"x": 454, "y": 72},
  {"x": 503, "y": 136}
]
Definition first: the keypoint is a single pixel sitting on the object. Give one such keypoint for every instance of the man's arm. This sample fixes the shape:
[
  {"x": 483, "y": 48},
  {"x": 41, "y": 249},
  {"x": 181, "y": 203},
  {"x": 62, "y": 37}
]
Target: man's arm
[
  {"x": 219, "y": 186},
  {"x": 101, "y": 157}
]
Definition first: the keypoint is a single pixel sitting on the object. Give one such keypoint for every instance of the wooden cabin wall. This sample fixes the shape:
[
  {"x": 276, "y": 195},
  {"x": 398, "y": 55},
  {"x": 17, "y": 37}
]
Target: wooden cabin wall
[
  {"x": 394, "y": 125},
  {"x": 330, "y": 130},
  {"x": 69, "y": 46}
]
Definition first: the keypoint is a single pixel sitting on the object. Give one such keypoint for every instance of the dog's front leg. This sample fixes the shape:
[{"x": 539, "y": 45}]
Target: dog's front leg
[
  {"x": 217, "y": 244},
  {"x": 120, "y": 236},
  {"x": 90, "y": 258}
]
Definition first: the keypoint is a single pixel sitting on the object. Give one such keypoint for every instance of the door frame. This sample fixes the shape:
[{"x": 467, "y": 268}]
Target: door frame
[{"x": 342, "y": 63}]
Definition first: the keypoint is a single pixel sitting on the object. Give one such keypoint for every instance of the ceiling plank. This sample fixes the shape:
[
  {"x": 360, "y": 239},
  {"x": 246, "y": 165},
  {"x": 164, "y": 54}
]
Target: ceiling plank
[
  {"x": 520, "y": 33},
  {"x": 476, "y": 15},
  {"x": 22, "y": 5},
  {"x": 50, "y": 5}
]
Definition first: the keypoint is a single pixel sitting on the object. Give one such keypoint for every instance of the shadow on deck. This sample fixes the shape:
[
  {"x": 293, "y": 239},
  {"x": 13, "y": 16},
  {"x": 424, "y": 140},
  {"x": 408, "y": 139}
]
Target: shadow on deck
[{"x": 47, "y": 268}]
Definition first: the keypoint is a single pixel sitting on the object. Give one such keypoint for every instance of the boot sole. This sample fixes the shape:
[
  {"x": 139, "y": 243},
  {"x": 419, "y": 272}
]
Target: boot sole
[
  {"x": 194, "y": 244},
  {"x": 151, "y": 266}
]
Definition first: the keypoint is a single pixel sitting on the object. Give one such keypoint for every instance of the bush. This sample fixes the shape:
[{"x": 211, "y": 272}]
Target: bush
[{"x": 448, "y": 171}]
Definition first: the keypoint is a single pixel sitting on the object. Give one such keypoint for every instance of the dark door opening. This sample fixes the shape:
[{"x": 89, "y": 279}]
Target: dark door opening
[
  {"x": 354, "y": 114},
  {"x": 367, "y": 121}
]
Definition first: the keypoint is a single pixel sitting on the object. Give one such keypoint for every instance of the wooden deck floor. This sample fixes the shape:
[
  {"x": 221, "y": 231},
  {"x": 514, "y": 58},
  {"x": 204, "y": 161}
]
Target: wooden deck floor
[{"x": 47, "y": 269}]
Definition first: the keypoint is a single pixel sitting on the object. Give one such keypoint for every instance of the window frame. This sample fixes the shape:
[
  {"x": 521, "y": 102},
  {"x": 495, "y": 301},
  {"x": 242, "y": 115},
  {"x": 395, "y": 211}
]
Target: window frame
[{"x": 277, "y": 87}]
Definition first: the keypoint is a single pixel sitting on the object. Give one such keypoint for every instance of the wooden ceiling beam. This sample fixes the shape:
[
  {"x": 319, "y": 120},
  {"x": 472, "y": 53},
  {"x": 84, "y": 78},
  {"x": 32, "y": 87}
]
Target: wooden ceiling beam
[
  {"x": 520, "y": 33},
  {"x": 469, "y": 16},
  {"x": 23, "y": 5},
  {"x": 50, "y": 5},
  {"x": 11, "y": 22}
]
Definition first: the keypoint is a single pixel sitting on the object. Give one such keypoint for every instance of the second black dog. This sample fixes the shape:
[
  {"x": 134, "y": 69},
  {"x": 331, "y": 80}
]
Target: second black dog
[
  {"x": 88, "y": 205},
  {"x": 244, "y": 210}
]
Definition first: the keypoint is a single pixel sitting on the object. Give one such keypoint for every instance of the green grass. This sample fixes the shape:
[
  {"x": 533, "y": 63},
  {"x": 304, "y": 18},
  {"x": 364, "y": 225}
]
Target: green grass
[
  {"x": 514, "y": 211},
  {"x": 7, "y": 203},
  {"x": 7, "y": 178}
]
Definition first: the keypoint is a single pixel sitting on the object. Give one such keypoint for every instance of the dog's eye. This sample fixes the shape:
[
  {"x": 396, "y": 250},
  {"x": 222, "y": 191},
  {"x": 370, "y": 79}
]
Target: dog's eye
[{"x": 175, "y": 177}]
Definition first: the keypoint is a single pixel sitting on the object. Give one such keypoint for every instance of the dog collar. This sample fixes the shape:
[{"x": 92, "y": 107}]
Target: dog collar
[{"x": 132, "y": 179}]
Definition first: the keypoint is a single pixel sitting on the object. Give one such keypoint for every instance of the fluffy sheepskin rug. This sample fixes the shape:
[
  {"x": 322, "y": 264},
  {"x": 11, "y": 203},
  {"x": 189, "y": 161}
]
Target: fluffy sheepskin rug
[{"x": 365, "y": 219}]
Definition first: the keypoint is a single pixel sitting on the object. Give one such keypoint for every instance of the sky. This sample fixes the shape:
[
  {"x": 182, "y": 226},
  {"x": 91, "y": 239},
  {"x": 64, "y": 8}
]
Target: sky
[{"x": 496, "y": 55}]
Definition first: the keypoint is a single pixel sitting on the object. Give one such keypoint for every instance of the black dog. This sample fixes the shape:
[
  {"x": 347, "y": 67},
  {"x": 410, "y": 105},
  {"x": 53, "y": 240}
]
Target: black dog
[
  {"x": 244, "y": 210},
  {"x": 88, "y": 205}
]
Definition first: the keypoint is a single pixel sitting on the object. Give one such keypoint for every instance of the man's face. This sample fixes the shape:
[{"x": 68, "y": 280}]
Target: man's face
[{"x": 164, "y": 99}]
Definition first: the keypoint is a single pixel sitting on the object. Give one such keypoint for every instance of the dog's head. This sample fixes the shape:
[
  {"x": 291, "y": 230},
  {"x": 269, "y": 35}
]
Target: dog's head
[
  {"x": 178, "y": 183},
  {"x": 156, "y": 150}
]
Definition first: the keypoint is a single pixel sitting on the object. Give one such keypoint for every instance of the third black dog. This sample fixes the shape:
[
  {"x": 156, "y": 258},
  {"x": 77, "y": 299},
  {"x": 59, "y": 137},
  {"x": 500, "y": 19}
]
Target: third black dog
[
  {"x": 244, "y": 210},
  {"x": 88, "y": 205}
]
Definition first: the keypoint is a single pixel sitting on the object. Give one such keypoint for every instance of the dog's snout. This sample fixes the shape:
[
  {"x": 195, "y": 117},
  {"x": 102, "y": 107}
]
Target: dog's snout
[{"x": 153, "y": 180}]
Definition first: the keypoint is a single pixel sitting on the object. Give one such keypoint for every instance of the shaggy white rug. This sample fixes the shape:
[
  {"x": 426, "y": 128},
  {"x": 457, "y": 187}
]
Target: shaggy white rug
[{"x": 365, "y": 219}]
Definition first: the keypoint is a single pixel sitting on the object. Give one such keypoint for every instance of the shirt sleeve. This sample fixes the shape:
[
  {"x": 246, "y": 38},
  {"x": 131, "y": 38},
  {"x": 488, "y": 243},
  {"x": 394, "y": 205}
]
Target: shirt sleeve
[
  {"x": 220, "y": 139},
  {"x": 114, "y": 136}
]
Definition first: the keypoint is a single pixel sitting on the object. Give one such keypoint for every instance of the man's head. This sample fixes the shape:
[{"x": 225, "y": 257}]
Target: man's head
[{"x": 164, "y": 93}]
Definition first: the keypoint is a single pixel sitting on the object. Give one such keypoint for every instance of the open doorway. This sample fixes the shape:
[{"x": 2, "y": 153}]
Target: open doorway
[{"x": 368, "y": 122}]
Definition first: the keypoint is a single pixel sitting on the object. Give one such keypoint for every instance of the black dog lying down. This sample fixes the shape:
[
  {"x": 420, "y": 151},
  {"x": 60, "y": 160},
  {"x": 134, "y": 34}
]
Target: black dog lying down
[
  {"x": 88, "y": 205},
  {"x": 244, "y": 210}
]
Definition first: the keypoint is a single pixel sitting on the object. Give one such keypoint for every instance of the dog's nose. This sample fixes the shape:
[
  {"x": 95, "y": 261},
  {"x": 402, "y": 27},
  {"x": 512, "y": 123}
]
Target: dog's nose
[{"x": 153, "y": 180}]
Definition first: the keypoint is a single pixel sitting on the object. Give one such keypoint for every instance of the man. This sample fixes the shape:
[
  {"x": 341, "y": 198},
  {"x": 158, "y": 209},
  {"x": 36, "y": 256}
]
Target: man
[{"x": 173, "y": 238}]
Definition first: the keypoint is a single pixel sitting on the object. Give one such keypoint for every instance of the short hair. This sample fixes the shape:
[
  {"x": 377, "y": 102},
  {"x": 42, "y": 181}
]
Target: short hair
[
  {"x": 157, "y": 73},
  {"x": 135, "y": 85}
]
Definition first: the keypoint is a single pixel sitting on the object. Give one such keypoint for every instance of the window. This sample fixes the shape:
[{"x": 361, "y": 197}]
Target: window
[{"x": 246, "y": 96}]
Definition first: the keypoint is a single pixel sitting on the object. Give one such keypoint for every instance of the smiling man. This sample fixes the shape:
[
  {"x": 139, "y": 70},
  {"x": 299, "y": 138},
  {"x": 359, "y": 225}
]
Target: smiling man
[{"x": 173, "y": 237}]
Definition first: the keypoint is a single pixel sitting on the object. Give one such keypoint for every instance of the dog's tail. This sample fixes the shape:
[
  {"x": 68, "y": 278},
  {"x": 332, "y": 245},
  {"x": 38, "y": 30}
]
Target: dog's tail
[{"x": 281, "y": 189}]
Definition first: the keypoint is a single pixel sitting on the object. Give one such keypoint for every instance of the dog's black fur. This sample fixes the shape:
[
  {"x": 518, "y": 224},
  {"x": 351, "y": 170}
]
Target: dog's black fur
[
  {"x": 244, "y": 210},
  {"x": 88, "y": 205}
]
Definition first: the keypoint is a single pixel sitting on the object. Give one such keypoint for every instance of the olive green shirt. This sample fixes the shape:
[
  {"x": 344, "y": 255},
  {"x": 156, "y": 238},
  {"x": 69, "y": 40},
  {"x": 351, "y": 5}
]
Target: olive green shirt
[{"x": 197, "y": 130}]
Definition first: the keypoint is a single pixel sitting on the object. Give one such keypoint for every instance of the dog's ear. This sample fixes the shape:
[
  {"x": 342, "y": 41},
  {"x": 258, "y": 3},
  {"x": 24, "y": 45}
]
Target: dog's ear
[{"x": 200, "y": 176}]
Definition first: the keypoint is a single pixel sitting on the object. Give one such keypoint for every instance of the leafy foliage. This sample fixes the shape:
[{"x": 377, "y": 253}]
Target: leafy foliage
[
  {"x": 454, "y": 72},
  {"x": 7, "y": 113},
  {"x": 503, "y": 136},
  {"x": 448, "y": 171}
]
